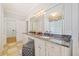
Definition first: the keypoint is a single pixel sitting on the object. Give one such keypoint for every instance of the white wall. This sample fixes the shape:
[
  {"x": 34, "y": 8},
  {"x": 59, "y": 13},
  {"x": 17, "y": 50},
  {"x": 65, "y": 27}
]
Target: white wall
[
  {"x": 2, "y": 28},
  {"x": 71, "y": 25},
  {"x": 75, "y": 19},
  {"x": 67, "y": 23}
]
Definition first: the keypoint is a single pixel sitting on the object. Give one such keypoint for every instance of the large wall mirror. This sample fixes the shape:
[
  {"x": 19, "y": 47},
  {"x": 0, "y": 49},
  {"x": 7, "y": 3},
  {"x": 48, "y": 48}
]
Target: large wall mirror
[
  {"x": 55, "y": 16},
  {"x": 51, "y": 20}
]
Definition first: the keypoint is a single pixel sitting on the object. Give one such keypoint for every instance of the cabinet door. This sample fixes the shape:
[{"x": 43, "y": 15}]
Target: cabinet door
[
  {"x": 25, "y": 38},
  {"x": 39, "y": 47},
  {"x": 50, "y": 49},
  {"x": 65, "y": 51},
  {"x": 53, "y": 49}
]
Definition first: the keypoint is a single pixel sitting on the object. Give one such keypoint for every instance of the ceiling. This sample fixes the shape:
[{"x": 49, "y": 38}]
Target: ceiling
[{"x": 22, "y": 10}]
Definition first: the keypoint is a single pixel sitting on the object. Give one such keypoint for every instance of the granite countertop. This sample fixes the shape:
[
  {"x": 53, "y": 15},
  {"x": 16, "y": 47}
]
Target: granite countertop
[
  {"x": 65, "y": 38},
  {"x": 59, "y": 39}
]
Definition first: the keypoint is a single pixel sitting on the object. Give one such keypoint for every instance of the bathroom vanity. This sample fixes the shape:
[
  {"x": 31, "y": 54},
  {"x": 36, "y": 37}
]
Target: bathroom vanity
[
  {"x": 50, "y": 46},
  {"x": 50, "y": 31}
]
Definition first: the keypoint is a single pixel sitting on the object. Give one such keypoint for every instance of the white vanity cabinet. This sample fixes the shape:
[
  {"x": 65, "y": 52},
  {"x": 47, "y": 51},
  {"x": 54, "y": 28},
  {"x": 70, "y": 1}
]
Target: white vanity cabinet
[
  {"x": 46, "y": 48},
  {"x": 25, "y": 38},
  {"x": 65, "y": 51},
  {"x": 39, "y": 47},
  {"x": 53, "y": 49}
]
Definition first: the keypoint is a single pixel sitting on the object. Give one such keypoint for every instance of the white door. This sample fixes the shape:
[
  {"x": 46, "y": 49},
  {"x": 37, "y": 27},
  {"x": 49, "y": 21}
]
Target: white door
[{"x": 20, "y": 29}]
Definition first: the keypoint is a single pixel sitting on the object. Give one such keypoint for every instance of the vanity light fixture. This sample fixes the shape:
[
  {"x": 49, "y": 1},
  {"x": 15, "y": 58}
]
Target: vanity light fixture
[{"x": 55, "y": 16}]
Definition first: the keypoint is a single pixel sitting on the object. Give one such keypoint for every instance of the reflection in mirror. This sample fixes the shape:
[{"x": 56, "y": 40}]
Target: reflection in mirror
[
  {"x": 56, "y": 27},
  {"x": 56, "y": 16},
  {"x": 37, "y": 24}
]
